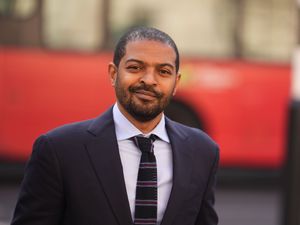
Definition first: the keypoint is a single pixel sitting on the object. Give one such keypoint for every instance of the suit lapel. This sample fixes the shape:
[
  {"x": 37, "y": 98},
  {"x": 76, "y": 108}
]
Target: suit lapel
[
  {"x": 104, "y": 155},
  {"x": 181, "y": 171}
]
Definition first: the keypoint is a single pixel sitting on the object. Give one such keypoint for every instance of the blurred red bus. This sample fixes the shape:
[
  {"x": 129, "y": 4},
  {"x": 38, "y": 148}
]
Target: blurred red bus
[{"x": 242, "y": 105}]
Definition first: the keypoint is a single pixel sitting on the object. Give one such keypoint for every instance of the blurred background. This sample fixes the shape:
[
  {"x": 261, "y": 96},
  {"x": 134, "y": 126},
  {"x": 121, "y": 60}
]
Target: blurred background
[{"x": 240, "y": 84}]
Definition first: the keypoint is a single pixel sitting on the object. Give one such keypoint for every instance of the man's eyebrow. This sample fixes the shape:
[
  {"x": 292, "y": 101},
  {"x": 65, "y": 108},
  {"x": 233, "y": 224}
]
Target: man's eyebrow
[
  {"x": 134, "y": 60},
  {"x": 167, "y": 64},
  {"x": 142, "y": 62}
]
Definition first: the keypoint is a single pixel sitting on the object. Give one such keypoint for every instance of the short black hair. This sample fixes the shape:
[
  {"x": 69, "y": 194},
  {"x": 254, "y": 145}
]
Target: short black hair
[{"x": 143, "y": 33}]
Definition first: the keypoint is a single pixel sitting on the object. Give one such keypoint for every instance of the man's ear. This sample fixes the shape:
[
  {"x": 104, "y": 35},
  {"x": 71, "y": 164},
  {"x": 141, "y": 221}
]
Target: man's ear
[
  {"x": 113, "y": 73},
  {"x": 178, "y": 76}
]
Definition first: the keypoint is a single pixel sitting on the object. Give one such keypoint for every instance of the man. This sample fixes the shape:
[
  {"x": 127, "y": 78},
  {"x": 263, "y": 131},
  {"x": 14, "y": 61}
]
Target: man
[{"x": 98, "y": 172}]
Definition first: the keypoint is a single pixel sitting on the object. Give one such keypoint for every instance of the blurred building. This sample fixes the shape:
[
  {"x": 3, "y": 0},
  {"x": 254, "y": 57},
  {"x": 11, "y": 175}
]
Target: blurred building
[{"x": 251, "y": 29}]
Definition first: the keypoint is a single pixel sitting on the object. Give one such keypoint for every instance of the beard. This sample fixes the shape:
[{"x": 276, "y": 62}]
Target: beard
[{"x": 142, "y": 110}]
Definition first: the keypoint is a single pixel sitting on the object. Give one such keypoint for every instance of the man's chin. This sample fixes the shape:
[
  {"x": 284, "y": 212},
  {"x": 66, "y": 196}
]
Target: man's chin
[
  {"x": 144, "y": 113},
  {"x": 144, "y": 117},
  {"x": 141, "y": 102}
]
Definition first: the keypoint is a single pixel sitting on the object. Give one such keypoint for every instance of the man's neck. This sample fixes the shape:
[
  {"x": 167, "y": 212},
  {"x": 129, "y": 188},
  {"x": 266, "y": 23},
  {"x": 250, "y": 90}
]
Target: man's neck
[{"x": 145, "y": 127}]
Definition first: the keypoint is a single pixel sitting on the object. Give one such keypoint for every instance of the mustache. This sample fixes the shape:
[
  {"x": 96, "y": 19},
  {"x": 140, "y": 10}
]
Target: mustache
[{"x": 145, "y": 87}]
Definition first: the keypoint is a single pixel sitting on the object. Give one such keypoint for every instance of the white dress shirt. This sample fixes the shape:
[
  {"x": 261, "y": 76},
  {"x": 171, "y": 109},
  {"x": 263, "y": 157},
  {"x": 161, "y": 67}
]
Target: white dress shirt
[{"x": 130, "y": 158}]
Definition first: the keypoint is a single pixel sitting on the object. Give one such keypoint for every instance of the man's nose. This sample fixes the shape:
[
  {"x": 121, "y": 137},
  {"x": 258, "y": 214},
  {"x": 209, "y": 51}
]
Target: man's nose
[{"x": 149, "y": 77}]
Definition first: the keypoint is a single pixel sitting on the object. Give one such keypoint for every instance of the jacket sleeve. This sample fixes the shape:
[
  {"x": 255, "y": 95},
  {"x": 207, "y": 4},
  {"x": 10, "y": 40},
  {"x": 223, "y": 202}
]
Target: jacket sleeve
[
  {"x": 40, "y": 199},
  {"x": 207, "y": 214}
]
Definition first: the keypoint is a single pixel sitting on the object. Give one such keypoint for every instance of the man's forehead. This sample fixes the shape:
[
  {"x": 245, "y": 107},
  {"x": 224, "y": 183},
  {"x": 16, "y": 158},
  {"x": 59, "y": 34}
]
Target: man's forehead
[
  {"x": 149, "y": 48},
  {"x": 145, "y": 42}
]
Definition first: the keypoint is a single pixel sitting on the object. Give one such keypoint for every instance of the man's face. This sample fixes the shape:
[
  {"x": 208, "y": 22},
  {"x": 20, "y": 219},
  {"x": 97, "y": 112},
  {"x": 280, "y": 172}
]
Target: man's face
[{"x": 146, "y": 78}]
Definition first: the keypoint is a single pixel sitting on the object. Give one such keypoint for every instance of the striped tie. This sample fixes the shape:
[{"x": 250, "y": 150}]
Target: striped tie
[{"x": 146, "y": 188}]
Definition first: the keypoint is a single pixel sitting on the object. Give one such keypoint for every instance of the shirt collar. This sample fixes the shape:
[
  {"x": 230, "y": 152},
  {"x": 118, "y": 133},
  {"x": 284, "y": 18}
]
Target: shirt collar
[{"x": 125, "y": 129}]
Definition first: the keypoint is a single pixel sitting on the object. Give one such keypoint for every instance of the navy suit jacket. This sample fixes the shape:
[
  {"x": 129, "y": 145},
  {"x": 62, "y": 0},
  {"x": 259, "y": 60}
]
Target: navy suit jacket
[{"x": 75, "y": 177}]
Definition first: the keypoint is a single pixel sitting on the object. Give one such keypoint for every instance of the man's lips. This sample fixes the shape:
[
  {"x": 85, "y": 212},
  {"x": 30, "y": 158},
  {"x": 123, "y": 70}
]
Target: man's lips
[
  {"x": 144, "y": 92},
  {"x": 146, "y": 95}
]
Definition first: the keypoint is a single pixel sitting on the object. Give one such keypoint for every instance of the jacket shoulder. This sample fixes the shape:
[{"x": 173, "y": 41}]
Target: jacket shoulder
[
  {"x": 81, "y": 129},
  {"x": 192, "y": 132},
  {"x": 71, "y": 129},
  {"x": 195, "y": 136}
]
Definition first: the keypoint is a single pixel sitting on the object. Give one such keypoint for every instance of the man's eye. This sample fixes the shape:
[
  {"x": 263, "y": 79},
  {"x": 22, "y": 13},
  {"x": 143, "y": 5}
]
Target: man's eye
[
  {"x": 134, "y": 68},
  {"x": 165, "y": 72}
]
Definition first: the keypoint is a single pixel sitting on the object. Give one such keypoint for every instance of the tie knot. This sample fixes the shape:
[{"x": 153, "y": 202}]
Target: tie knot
[{"x": 145, "y": 144}]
